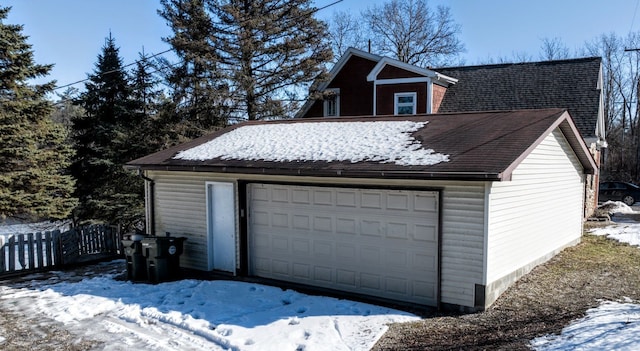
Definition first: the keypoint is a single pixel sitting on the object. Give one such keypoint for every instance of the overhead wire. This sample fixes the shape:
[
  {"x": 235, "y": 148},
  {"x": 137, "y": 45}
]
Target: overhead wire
[
  {"x": 112, "y": 71},
  {"x": 158, "y": 54},
  {"x": 633, "y": 19}
]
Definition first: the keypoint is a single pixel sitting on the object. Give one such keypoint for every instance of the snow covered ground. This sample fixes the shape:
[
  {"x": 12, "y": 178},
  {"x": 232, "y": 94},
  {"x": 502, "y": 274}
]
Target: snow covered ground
[
  {"x": 227, "y": 315},
  {"x": 194, "y": 314},
  {"x": 612, "y": 325},
  {"x": 202, "y": 315},
  {"x": 25, "y": 228}
]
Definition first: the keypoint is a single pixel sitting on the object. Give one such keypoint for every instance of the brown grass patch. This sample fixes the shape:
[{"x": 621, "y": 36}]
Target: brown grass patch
[{"x": 542, "y": 302}]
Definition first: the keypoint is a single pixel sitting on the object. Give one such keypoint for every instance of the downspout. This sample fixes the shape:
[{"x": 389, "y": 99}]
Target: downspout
[{"x": 152, "y": 216}]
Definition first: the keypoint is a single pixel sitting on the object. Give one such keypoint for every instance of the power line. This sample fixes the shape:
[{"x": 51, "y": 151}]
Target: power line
[
  {"x": 333, "y": 3},
  {"x": 635, "y": 11},
  {"x": 112, "y": 71},
  {"x": 165, "y": 51}
]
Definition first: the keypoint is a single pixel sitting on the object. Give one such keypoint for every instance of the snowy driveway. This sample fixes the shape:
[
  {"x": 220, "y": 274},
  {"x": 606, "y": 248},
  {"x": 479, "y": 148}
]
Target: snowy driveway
[{"x": 200, "y": 315}]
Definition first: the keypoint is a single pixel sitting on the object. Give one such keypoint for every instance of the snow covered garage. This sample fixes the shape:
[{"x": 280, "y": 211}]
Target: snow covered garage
[{"x": 443, "y": 209}]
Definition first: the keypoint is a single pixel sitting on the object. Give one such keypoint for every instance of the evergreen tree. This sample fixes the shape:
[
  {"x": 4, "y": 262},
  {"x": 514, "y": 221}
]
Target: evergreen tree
[
  {"x": 66, "y": 109},
  {"x": 107, "y": 192},
  {"x": 198, "y": 91},
  {"x": 33, "y": 149},
  {"x": 145, "y": 134},
  {"x": 260, "y": 53}
]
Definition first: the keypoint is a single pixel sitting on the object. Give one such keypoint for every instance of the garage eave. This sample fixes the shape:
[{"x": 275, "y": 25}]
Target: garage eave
[{"x": 353, "y": 173}]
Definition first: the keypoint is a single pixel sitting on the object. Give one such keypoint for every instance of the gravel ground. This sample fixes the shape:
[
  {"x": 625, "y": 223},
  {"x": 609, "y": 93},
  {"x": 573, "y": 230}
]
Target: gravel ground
[
  {"x": 542, "y": 302},
  {"x": 35, "y": 332}
]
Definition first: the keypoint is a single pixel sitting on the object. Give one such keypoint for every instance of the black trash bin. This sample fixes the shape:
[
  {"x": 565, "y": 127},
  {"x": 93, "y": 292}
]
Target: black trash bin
[
  {"x": 162, "y": 257},
  {"x": 136, "y": 261}
]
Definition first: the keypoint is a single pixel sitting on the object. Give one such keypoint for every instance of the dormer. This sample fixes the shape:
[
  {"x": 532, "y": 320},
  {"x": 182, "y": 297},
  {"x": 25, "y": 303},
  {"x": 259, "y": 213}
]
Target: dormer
[
  {"x": 364, "y": 84},
  {"x": 401, "y": 88}
]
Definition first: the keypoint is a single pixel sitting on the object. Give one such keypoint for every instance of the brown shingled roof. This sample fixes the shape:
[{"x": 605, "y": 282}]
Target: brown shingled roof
[
  {"x": 480, "y": 145},
  {"x": 570, "y": 84}
]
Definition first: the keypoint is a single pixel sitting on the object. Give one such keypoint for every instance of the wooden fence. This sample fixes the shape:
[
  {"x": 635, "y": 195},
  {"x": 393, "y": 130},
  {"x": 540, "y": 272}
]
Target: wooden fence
[{"x": 33, "y": 252}]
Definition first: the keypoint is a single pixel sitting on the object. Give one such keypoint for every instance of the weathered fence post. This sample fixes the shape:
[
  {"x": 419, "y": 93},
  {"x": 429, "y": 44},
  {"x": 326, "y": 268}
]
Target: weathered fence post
[
  {"x": 57, "y": 248},
  {"x": 3, "y": 254},
  {"x": 21, "y": 251},
  {"x": 31, "y": 251},
  {"x": 50, "y": 248},
  {"x": 39, "y": 250},
  {"x": 12, "y": 253}
]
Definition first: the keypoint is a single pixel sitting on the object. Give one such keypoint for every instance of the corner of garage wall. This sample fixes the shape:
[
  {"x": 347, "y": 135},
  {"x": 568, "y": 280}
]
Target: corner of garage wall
[{"x": 493, "y": 290}]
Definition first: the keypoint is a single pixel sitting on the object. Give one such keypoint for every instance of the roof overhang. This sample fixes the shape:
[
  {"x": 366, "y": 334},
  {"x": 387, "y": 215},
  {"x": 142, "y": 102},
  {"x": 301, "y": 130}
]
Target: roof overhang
[
  {"x": 485, "y": 146},
  {"x": 435, "y": 76},
  {"x": 570, "y": 131}
]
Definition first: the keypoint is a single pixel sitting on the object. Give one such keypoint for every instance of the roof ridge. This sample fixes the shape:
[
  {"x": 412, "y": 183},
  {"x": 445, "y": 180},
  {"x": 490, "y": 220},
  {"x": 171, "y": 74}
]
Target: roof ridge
[{"x": 505, "y": 64}]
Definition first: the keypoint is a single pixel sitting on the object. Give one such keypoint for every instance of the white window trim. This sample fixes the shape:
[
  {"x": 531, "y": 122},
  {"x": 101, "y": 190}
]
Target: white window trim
[
  {"x": 325, "y": 105},
  {"x": 413, "y": 94},
  {"x": 401, "y": 80}
]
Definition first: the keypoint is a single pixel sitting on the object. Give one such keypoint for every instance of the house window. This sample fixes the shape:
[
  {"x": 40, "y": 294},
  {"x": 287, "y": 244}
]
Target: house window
[
  {"x": 405, "y": 103},
  {"x": 332, "y": 103}
]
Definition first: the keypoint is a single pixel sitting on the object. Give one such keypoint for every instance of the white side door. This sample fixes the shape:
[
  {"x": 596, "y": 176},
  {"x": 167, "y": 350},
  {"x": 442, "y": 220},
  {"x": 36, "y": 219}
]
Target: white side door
[{"x": 221, "y": 226}]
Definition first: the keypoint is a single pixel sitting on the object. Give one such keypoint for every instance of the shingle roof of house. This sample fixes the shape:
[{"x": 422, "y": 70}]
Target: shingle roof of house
[
  {"x": 570, "y": 84},
  {"x": 481, "y": 145}
]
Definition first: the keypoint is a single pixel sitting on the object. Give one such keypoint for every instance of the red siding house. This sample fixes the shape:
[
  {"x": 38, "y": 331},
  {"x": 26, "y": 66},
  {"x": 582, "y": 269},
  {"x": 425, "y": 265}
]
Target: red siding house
[{"x": 364, "y": 84}]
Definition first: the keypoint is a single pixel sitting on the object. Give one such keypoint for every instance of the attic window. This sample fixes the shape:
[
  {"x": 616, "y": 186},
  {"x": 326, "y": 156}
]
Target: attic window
[
  {"x": 332, "y": 103},
  {"x": 405, "y": 103}
]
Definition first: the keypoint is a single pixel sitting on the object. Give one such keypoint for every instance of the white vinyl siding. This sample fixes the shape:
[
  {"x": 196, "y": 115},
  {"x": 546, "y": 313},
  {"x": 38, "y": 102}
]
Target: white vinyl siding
[
  {"x": 535, "y": 214},
  {"x": 463, "y": 225},
  {"x": 180, "y": 209}
]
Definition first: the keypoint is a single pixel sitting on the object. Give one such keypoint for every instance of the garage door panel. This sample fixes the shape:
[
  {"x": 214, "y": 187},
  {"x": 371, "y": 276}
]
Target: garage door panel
[
  {"x": 371, "y": 200},
  {"x": 424, "y": 232},
  {"x": 398, "y": 202},
  {"x": 397, "y": 259},
  {"x": 397, "y": 230},
  {"x": 301, "y": 196},
  {"x": 323, "y": 224},
  {"x": 423, "y": 289},
  {"x": 422, "y": 262},
  {"x": 323, "y": 274},
  {"x": 261, "y": 266},
  {"x": 280, "y": 268},
  {"x": 260, "y": 218},
  {"x": 280, "y": 244},
  {"x": 302, "y": 221},
  {"x": 280, "y": 194},
  {"x": 346, "y": 278},
  {"x": 323, "y": 198},
  {"x": 302, "y": 271},
  {"x": 280, "y": 220},
  {"x": 371, "y": 227},
  {"x": 378, "y": 242},
  {"x": 395, "y": 285},
  {"x": 346, "y": 198},
  {"x": 346, "y": 226},
  {"x": 301, "y": 247},
  {"x": 346, "y": 252},
  {"x": 323, "y": 249}
]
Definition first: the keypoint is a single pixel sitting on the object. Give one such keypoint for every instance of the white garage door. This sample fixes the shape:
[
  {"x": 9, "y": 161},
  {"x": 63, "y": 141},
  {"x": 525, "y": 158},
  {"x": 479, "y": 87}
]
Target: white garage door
[{"x": 376, "y": 242}]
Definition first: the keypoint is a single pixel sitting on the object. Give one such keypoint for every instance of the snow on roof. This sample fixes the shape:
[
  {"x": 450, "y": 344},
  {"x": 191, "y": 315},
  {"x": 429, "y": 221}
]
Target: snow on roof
[{"x": 379, "y": 141}]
